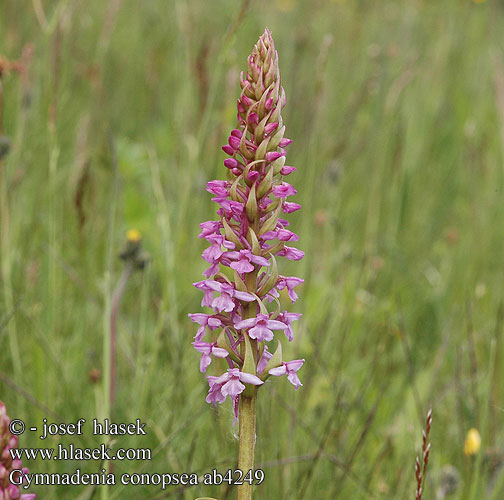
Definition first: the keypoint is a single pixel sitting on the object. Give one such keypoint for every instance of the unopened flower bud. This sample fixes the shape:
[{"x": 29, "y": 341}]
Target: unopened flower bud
[
  {"x": 228, "y": 149},
  {"x": 234, "y": 142},
  {"x": 273, "y": 155},
  {"x": 230, "y": 163},
  {"x": 270, "y": 128},
  {"x": 253, "y": 175},
  {"x": 286, "y": 170},
  {"x": 253, "y": 118}
]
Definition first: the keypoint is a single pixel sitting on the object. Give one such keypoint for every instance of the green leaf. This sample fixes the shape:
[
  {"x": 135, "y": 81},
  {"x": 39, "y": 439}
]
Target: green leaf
[
  {"x": 222, "y": 342},
  {"x": 272, "y": 222},
  {"x": 272, "y": 279},
  {"x": 278, "y": 164},
  {"x": 252, "y": 238},
  {"x": 240, "y": 284},
  {"x": 259, "y": 131},
  {"x": 249, "y": 366},
  {"x": 243, "y": 147},
  {"x": 262, "y": 307},
  {"x": 266, "y": 183},
  {"x": 251, "y": 206},
  {"x": 261, "y": 151},
  {"x": 275, "y": 139},
  {"x": 230, "y": 234},
  {"x": 233, "y": 190}
]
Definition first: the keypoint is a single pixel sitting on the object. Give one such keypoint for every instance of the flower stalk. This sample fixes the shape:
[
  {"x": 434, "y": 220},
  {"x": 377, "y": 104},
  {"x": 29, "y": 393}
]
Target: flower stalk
[
  {"x": 247, "y": 435},
  {"x": 243, "y": 284},
  {"x": 134, "y": 259}
]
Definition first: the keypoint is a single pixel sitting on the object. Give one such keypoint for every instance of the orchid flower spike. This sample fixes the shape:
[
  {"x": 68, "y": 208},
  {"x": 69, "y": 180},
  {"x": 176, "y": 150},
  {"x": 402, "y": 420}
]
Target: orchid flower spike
[{"x": 242, "y": 282}]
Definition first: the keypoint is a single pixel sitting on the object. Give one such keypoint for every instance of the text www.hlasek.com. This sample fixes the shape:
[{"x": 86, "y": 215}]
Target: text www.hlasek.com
[{"x": 72, "y": 453}]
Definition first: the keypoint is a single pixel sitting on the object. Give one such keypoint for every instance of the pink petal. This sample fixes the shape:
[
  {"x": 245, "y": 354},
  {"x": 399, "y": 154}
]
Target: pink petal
[
  {"x": 294, "y": 380},
  {"x": 199, "y": 318},
  {"x": 214, "y": 323},
  {"x": 261, "y": 333},
  {"x": 213, "y": 269},
  {"x": 242, "y": 266},
  {"x": 221, "y": 380},
  {"x": 291, "y": 316},
  {"x": 218, "y": 352},
  {"x": 205, "y": 362},
  {"x": 246, "y": 323},
  {"x": 278, "y": 371},
  {"x": 248, "y": 378},
  {"x": 256, "y": 259},
  {"x": 213, "y": 285},
  {"x": 270, "y": 235},
  {"x": 276, "y": 325},
  {"x": 247, "y": 297},
  {"x": 223, "y": 303},
  {"x": 202, "y": 347},
  {"x": 289, "y": 334},
  {"x": 232, "y": 388},
  {"x": 295, "y": 365}
]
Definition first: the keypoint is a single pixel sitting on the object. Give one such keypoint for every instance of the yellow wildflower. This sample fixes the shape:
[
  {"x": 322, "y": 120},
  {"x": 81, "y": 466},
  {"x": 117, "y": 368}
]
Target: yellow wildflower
[
  {"x": 473, "y": 442},
  {"x": 133, "y": 235}
]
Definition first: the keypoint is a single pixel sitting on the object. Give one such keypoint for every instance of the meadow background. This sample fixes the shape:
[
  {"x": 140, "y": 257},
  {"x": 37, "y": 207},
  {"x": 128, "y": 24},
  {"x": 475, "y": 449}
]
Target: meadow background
[{"x": 396, "y": 109}]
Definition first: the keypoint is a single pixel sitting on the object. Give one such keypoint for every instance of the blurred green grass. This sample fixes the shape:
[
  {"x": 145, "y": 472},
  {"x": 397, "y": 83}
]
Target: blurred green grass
[{"x": 396, "y": 110}]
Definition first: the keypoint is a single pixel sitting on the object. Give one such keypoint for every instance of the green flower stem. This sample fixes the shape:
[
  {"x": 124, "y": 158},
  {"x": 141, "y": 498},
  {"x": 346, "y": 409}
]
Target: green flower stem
[
  {"x": 116, "y": 301},
  {"x": 247, "y": 436},
  {"x": 247, "y": 409}
]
